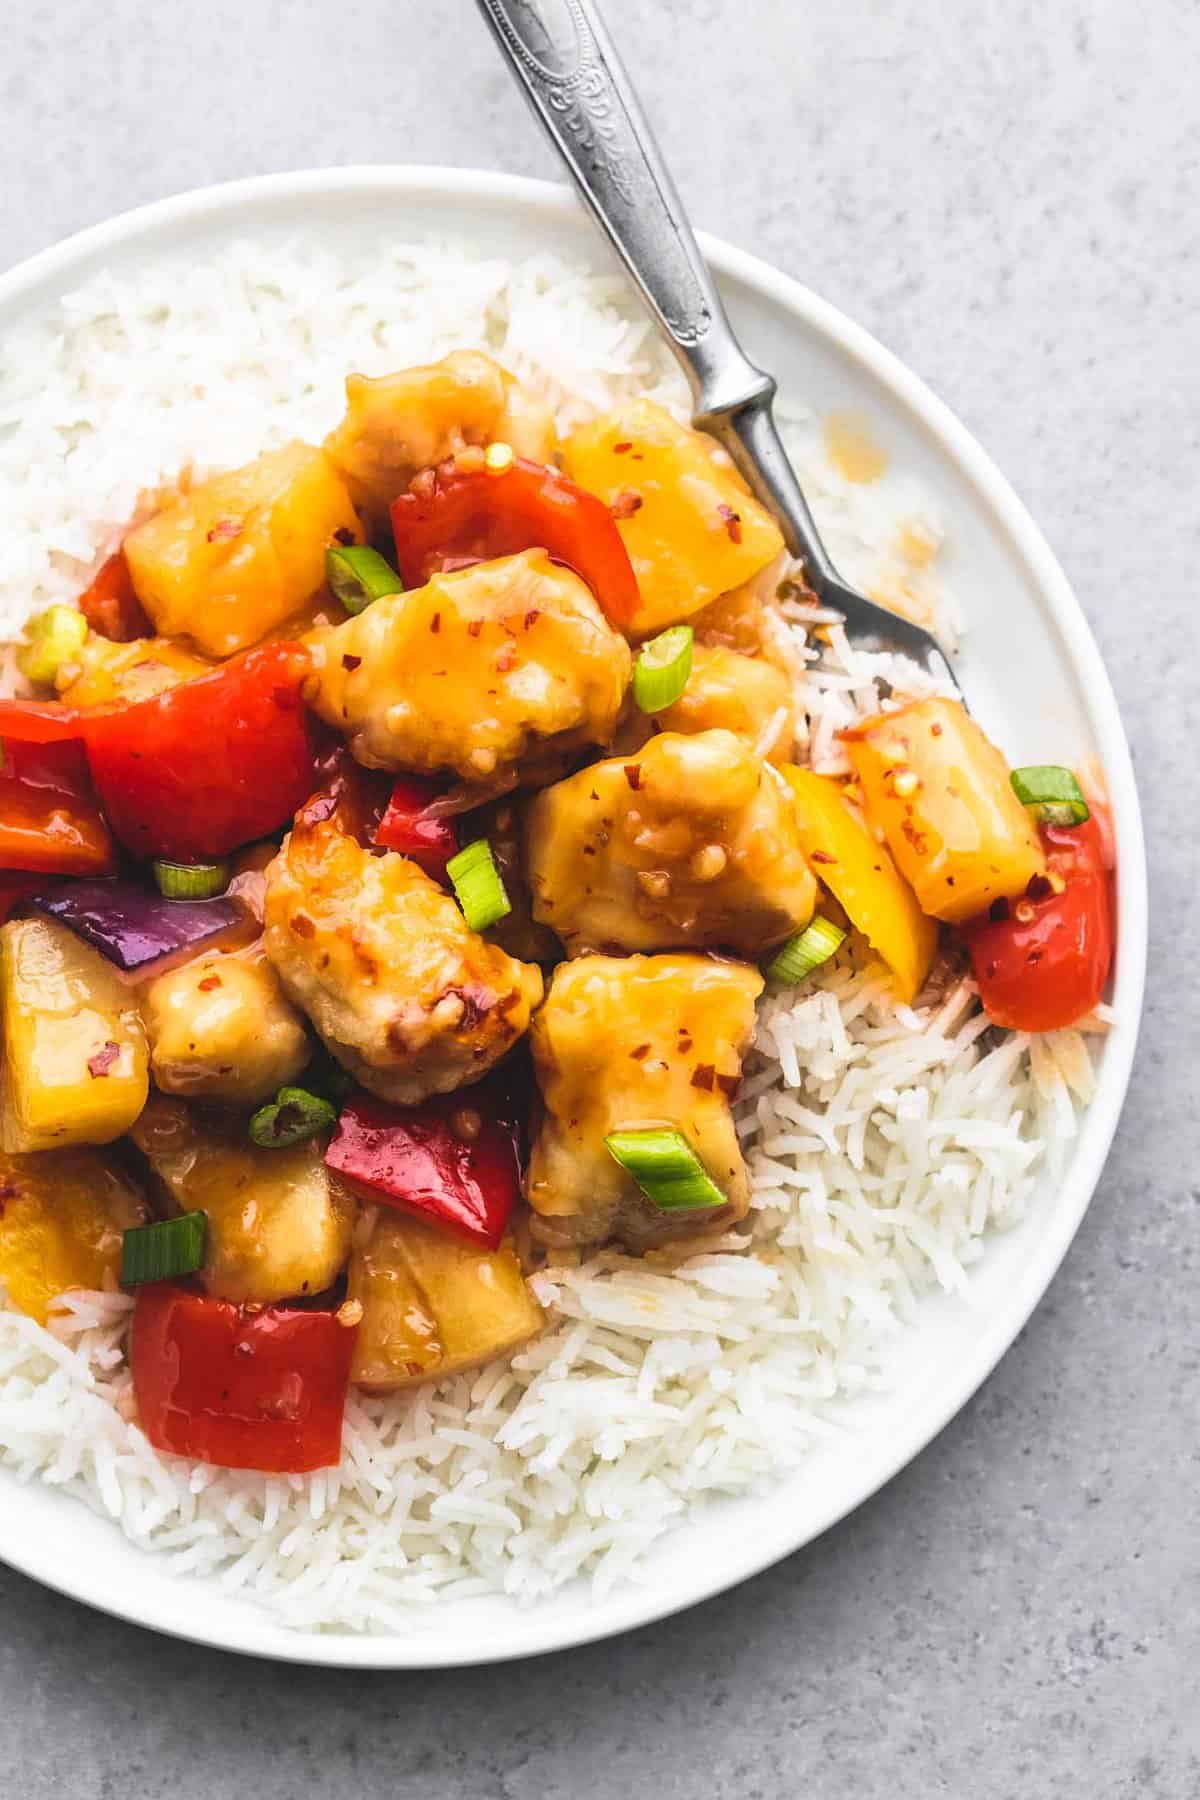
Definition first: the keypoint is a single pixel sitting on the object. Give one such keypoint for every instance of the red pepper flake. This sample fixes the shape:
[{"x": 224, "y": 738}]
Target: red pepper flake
[
  {"x": 531, "y": 617},
  {"x": 224, "y": 529},
  {"x": 642, "y": 1050},
  {"x": 624, "y": 445},
  {"x": 104, "y": 1059},
  {"x": 302, "y": 926},
  {"x": 633, "y": 775},
  {"x": 729, "y": 1084},
  {"x": 343, "y": 535},
  {"x": 435, "y": 624},
  {"x": 703, "y": 1076},
  {"x": 733, "y": 523},
  {"x": 209, "y": 983},
  {"x": 352, "y": 662},
  {"x": 823, "y": 856},
  {"x": 935, "y": 730},
  {"x": 626, "y": 504},
  {"x": 475, "y": 627}
]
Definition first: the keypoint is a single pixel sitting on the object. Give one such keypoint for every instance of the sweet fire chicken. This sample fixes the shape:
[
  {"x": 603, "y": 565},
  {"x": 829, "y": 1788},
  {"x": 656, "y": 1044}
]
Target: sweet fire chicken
[{"x": 394, "y": 845}]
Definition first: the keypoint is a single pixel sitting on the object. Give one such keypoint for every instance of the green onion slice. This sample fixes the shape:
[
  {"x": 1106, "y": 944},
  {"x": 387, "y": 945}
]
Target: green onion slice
[
  {"x": 478, "y": 885},
  {"x": 666, "y": 1168},
  {"x": 160, "y": 1252},
  {"x": 357, "y": 575},
  {"x": 292, "y": 1116},
  {"x": 52, "y": 638},
  {"x": 663, "y": 666},
  {"x": 191, "y": 881},
  {"x": 806, "y": 952},
  {"x": 1054, "y": 794}
]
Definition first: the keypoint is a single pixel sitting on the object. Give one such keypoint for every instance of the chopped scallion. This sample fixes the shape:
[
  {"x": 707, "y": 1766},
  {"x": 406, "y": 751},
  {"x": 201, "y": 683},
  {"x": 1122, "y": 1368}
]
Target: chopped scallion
[
  {"x": 666, "y": 1168},
  {"x": 806, "y": 951},
  {"x": 1053, "y": 792},
  {"x": 663, "y": 666},
  {"x": 52, "y": 638},
  {"x": 357, "y": 575},
  {"x": 292, "y": 1116},
  {"x": 478, "y": 886},
  {"x": 163, "y": 1251},
  {"x": 191, "y": 881}
]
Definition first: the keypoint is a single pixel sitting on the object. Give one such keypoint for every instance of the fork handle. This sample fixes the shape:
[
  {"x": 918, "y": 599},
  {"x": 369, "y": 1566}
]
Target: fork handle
[{"x": 574, "y": 80}]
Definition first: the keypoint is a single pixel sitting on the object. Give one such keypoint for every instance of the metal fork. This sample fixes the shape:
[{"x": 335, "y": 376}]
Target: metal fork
[{"x": 563, "y": 57}]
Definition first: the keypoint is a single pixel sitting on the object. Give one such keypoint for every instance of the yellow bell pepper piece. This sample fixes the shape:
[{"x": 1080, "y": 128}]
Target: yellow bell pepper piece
[
  {"x": 691, "y": 529},
  {"x": 862, "y": 875}
]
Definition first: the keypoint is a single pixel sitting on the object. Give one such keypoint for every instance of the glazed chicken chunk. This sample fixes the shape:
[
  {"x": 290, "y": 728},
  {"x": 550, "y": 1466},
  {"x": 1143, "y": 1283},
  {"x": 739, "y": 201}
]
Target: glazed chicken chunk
[
  {"x": 398, "y": 424},
  {"x": 692, "y": 842},
  {"x": 498, "y": 672},
  {"x": 628, "y": 1043},
  {"x": 407, "y": 997},
  {"x": 743, "y": 694}
]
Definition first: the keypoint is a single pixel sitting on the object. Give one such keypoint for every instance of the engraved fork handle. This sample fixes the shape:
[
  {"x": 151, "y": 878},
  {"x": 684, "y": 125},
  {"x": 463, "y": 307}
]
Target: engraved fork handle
[{"x": 565, "y": 61}]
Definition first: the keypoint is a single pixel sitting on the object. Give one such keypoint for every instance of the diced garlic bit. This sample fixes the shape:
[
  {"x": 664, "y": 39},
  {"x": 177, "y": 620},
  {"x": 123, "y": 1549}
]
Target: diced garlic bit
[
  {"x": 709, "y": 855},
  {"x": 623, "y": 1042},
  {"x": 508, "y": 668}
]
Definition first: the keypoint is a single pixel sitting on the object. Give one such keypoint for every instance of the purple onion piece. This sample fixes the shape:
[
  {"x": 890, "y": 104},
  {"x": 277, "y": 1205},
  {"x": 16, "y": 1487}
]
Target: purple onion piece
[{"x": 137, "y": 930}]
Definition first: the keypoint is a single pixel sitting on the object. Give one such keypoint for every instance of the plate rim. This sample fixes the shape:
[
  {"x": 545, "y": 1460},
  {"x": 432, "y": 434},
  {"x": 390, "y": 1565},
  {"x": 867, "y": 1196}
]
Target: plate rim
[{"x": 264, "y": 1637}]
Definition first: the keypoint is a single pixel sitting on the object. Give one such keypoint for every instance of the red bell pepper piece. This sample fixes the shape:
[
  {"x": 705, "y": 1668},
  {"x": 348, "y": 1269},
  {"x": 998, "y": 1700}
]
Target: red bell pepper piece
[
  {"x": 244, "y": 1390},
  {"x": 454, "y": 1161},
  {"x": 110, "y": 605},
  {"x": 194, "y": 772},
  {"x": 1042, "y": 961},
  {"x": 454, "y": 518},
  {"x": 406, "y": 826},
  {"x": 49, "y": 816},
  {"x": 38, "y": 722}
]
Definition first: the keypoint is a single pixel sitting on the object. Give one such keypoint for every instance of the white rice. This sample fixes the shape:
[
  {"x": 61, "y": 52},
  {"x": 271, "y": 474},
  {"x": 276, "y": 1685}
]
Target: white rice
[{"x": 883, "y": 1143}]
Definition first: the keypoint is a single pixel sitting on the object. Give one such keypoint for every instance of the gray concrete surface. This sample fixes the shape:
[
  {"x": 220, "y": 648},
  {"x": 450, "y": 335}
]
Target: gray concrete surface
[{"x": 1005, "y": 191}]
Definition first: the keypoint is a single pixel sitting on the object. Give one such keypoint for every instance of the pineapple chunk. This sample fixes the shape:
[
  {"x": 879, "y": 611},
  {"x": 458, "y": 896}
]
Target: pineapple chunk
[
  {"x": 433, "y": 1305},
  {"x": 691, "y": 528},
  {"x": 62, "y": 1216},
  {"x": 105, "y": 673},
  {"x": 939, "y": 791},
  {"x": 75, "y": 1062},
  {"x": 221, "y": 1029},
  {"x": 231, "y": 560},
  {"x": 279, "y": 1224}
]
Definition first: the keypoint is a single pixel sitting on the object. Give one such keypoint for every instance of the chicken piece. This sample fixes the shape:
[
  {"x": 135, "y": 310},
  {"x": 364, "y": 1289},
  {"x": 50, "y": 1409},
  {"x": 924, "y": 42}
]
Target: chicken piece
[
  {"x": 220, "y": 1028},
  {"x": 279, "y": 1222},
  {"x": 433, "y": 1305},
  {"x": 62, "y": 1218},
  {"x": 406, "y": 996},
  {"x": 228, "y": 562},
  {"x": 105, "y": 673},
  {"x": 693, "y": 843},
  {"x": 629, "y": 1043},
  {"x": 501, "y": 672},
  {"x": 742, "y": 694},
  {"x": 398, "y": 424},
  {"x": 691, "y": 528}
]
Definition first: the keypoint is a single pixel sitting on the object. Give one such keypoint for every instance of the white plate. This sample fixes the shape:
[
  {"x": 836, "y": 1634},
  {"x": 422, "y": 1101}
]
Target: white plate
[{"x": 1035, "y": 678}]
